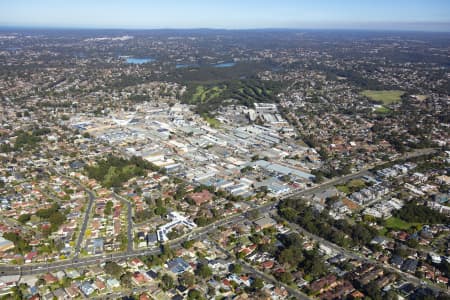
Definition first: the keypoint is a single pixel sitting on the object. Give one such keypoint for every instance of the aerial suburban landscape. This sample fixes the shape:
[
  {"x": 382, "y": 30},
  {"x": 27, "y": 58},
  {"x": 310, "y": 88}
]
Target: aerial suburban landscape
[{"x": 224, "y": 164}]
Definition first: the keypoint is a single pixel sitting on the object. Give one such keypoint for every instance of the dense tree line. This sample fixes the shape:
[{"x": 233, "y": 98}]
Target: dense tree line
[
  {"x": 20, "y": 243},
  {"x": 294, "y": 257},
  {"x": 421, "y": 214},
  {"x": 339, "y": 232},
  {"x": 41, "y": 131},
  {"x": 142, "y": 215},
  {"x": 114, "y": 171},
  {"x": 25, "y": 140},
  {"x": 330, "y": 172},
  {"x": 53, "y": 214},
  {"x": 108, "y": 208},
  {"x": 208, "y": 73}
]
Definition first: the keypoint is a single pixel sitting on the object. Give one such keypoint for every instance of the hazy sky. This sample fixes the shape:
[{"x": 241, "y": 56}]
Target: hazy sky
[{"x": 364, "y": 14}]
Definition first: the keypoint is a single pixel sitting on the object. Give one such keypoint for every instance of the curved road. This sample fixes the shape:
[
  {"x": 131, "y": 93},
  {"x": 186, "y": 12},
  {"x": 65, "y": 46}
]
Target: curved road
[
  {"x": 251, "y": 270},
  {"x": 86, "y": 215},
  {"x": 194, "y": 234},
  {"x": 359, "y": 257},
  {"x": 130, "y": 239},
  {"x": 85, "y": 222}
]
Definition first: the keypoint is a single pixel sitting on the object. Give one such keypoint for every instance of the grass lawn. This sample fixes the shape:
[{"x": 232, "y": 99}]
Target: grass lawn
[
  {"x": 199, "y": 93},
  {"x": 215, "y": 92},
  {"x": 343, "y": 188},
  {"x": 244, "y": 240},
  {"x": 351, "y": 186},
  {"x": 421, "y": 97},
  {"x": 203, "y": 93},
  {"x": 383, "y": 231},
  {"x": 356, "y": 184},
  {"x": 386, "y": 97},
  {"x": 213, "y": 122},
  {"x": 399, "y": 224},
  {"x": 382, "y": 110}
]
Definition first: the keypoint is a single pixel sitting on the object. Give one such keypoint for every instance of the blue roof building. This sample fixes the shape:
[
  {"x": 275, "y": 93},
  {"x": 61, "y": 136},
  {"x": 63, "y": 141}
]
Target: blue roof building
[{"x": 178, "y": 265}]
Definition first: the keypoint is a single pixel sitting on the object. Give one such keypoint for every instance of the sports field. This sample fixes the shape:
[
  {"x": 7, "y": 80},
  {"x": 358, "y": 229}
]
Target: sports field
[{"x": 386, "y": 97}]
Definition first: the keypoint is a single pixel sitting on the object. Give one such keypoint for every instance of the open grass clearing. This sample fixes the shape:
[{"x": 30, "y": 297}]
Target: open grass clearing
[
  {"x": 398, "y": 224},
  {"x": 382, "y": 110},
  {"x": 386, "y": 97},
  {"x": 213, "y": 122}
]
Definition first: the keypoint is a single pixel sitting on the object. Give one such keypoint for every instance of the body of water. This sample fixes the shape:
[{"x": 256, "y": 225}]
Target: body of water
[
  {"x": 138, "y": 61},
  {"x": 180, "y": 66},
  {"x": 225, "y": 65},
  {"x": 219, "y": 65}
]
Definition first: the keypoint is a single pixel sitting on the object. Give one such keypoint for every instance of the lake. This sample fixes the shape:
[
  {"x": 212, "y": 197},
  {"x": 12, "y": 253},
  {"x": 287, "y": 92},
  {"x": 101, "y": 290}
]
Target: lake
[
  {"x": 224, "y": 65},
  {"x": 138, "y": 61},
  {"x": 180, "y": 66}
]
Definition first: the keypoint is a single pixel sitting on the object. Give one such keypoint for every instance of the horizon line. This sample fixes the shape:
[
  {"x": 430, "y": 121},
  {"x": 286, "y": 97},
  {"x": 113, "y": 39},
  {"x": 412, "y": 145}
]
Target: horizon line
[{"x": 344, "y": 28}]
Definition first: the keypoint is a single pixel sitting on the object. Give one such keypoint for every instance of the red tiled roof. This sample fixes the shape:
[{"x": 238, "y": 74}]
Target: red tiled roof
[
  {"x": 268, "y": 264},
  {"x": 201, "y": 197},
  {"x": 226, "y": 282}
]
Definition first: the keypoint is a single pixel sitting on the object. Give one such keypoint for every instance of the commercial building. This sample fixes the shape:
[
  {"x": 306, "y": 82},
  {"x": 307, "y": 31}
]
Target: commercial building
[{"x": 177, "y": 219}]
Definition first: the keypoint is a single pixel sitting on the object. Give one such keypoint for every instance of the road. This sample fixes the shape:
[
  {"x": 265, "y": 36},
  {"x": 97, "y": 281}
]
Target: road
[
  {"x": 77, "y": 262},
  {"x": 365, "y": 171},
  {"x": 129, "y": 221},
  {"x": 266, "y": 277},
  {"x": 16, "y": 225},
  {"x": 87, "y": 214},
  {"x": 359, "y": 257},
  {"x": 85, "y": 223},
  {"x": 296, "y": 293},
  {"x": 98, "y": 259}
]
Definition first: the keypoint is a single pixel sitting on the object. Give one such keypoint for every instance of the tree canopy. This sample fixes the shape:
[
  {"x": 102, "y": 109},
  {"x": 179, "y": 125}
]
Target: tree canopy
[
  {"x": 113, "y": 269},
  {"x": 114, "y": 171},
  {"x": 421, "y": 214}
]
